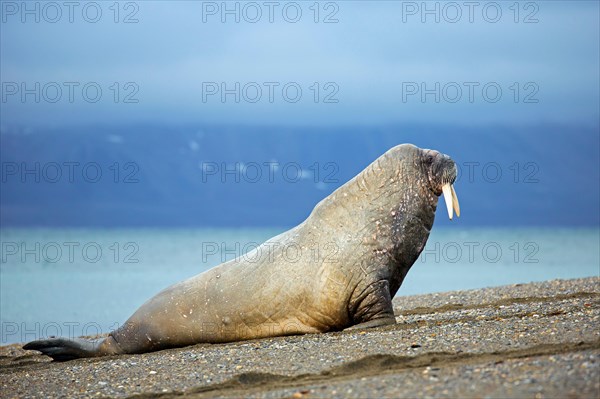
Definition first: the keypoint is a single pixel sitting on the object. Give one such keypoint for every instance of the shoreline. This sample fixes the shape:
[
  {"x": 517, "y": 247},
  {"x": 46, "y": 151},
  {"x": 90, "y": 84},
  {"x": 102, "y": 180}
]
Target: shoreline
[{"x": 535, "y": 340}]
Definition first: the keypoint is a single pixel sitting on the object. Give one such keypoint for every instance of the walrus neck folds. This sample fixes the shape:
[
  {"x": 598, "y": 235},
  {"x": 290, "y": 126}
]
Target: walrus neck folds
[
  {"x": 406, "y": 210},
  {"x": 385, "y": 200}
]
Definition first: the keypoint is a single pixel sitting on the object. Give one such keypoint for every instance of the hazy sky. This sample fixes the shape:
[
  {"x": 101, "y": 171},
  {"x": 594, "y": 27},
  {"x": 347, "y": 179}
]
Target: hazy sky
[{"x": 485, "y": 63}]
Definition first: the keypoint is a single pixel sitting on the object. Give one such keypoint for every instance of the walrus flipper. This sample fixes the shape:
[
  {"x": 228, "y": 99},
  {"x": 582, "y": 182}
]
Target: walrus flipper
[
  {"x": 61, "y": 349},
  {"x": 373, "y": 324}
]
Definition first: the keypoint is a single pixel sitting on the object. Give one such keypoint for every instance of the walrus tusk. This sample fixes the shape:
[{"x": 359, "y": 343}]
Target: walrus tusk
[
  {"x": 455, "y": 204},
  {"x": 451, "y": 200}
]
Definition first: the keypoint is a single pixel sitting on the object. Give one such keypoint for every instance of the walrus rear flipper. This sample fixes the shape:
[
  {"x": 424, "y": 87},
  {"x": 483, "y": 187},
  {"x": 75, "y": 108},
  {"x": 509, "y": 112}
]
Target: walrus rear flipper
[{"x": 61, "y": 349}]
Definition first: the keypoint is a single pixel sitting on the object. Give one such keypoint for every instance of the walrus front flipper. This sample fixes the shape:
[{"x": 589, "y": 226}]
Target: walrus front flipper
[
  {"x": 373, "y": 324},
  {"x": 61, "y": 349}
]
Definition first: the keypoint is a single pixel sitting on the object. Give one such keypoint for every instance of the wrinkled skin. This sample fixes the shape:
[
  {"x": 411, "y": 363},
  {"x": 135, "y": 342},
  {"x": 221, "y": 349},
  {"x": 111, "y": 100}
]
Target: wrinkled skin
[{"x": 338, "y": 269}]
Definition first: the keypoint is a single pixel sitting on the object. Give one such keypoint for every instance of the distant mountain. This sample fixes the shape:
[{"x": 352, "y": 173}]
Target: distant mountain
[{"x": 241, "y": 176}]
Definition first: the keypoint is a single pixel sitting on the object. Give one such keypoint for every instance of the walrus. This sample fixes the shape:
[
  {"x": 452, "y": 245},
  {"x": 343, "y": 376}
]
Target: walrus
[{"x": 338, "y": 269}]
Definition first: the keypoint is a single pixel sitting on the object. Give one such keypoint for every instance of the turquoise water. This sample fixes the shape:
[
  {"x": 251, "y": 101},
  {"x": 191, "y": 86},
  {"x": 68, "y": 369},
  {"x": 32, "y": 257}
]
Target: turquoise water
[{"x": 74, "y": 282}]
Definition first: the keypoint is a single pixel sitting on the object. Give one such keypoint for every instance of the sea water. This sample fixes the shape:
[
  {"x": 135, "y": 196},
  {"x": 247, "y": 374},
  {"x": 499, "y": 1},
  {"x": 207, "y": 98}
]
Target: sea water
[{"x": 71, "y": 282}]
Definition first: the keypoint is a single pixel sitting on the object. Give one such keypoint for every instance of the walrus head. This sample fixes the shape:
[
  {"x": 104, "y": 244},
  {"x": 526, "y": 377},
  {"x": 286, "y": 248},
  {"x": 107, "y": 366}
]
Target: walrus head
[{"x": 441, "y": 171}]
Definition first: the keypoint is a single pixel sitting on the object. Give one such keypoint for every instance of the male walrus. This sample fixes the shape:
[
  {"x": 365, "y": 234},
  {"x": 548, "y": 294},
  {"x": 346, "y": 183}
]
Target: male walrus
[{"x": 339, "y": 268}]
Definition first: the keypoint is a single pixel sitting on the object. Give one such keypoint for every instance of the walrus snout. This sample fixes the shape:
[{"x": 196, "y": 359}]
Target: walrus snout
[
  {"x": 449, "y": 170},
  {"x": 442, "y": 169},
  {"x": 442, "y": 174}
]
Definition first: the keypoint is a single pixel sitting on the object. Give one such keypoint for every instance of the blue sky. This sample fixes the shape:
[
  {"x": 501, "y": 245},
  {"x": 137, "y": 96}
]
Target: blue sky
[{"x": 371, "y": 61}]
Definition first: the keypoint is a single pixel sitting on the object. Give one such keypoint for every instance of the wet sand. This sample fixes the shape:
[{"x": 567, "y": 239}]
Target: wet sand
[{"x": 528, "y": 340}]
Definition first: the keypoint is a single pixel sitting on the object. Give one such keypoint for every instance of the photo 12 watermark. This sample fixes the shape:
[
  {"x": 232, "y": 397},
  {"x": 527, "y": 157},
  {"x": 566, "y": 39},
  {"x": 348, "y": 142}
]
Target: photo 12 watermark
[
  {"x": 254, "y": 12},
  {"x": 69, "y": 92},
  {"x": 269, "y": 172},
  {"x": 270, "y": 92},
  {"x": 54, "y": 12},
  {"x": 480, "y": 252},
  {"x": 453, "y": 12},
  {"x": 71, "y": 172},
  {"x": 518, "y": 172},
  {"x": 69, "y": 252},
  {"x": 470, "y": 92},
  {"x": 11, "y": 331},
  {"x": 255, "y": 252}
]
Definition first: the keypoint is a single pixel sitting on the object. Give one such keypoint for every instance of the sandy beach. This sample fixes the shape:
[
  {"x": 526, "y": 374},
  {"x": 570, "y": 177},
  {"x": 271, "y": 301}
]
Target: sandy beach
[{"x": 538, "y": 340}]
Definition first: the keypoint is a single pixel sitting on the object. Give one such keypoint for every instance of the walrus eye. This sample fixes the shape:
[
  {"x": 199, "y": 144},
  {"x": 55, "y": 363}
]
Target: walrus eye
[{"x": 429, "y": 159}]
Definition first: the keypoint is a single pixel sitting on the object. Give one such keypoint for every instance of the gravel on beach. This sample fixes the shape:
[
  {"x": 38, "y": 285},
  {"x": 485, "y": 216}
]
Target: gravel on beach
[{"x": 527, "y": 340}]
